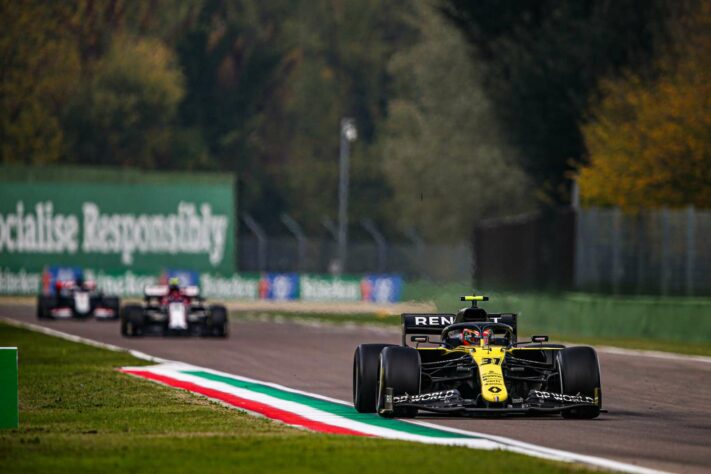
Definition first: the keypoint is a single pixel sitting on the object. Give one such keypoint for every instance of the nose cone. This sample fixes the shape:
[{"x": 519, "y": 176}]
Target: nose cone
[{"x": 491, "y": 377}]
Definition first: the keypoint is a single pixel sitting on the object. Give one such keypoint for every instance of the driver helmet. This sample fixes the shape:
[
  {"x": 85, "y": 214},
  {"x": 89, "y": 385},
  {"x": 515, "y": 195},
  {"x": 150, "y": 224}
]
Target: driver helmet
[
  {"x": 472, "y": 337},
  {"x": 174, "y": 285}
]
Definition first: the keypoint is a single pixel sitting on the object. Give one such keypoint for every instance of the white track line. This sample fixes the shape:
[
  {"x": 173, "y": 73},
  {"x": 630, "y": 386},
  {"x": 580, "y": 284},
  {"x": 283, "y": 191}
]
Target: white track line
[
  {"x": 83, "y": 340},
  {"x": 509, "y": 443}
]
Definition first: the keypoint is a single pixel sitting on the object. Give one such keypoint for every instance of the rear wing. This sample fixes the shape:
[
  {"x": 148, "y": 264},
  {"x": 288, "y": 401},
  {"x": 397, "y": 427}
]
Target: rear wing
[
  {"x": 425, "y": 323},
  {"x": 158, "y": 291},
  {"x": 155, "y": 291}
]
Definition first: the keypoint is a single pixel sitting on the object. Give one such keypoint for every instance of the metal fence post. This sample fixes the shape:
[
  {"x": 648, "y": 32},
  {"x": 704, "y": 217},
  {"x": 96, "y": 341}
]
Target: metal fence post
[
  {"x": 665, "y": 252},
  {"x": 328, "y": 223},
  {"x": 690, "y": 249},
  {"x": 419, "y": 246},
  {"x": 261, "y": 240},
  {"x": 380, "y": 242},
  {"x": 300, "y": 237},
  {"x": 640, "y": 236},
  {"x": 616, "y": 249},
  {"x": 579, "y": 247}
]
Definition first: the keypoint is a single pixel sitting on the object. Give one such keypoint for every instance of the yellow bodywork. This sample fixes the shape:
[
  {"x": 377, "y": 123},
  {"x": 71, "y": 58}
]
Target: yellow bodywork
[
  {"x": 474, "y": 298},
  {"x": 488, "y": 359}
]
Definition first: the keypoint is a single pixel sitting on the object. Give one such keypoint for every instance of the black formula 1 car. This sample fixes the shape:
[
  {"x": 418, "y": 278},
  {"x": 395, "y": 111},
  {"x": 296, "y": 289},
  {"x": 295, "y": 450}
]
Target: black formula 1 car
[
  {"x": 76, "y": 299},
  {"x": 173, "y": 310},
  {"x": 474, "y": 366}
]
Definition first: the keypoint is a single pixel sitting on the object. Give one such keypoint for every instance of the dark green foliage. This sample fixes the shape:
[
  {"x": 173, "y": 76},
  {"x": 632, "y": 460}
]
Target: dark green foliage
[{"x": 542, "y": 63}]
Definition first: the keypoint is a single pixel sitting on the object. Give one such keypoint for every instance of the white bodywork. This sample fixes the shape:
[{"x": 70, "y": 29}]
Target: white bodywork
[
  {"x": 81, "y": 302},
  {"x": 177, "y": 317}
]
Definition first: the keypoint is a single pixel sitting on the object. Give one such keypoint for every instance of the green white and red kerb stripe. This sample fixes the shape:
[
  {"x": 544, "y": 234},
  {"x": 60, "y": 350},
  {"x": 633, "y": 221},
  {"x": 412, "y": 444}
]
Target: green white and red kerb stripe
[
  {"x": 326, "y": 415},
  {"x": 293, "y": 407}
]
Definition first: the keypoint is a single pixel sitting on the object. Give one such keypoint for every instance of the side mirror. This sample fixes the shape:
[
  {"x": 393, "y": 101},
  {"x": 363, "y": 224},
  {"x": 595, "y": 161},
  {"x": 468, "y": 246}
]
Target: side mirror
[
  {"x": 420, "y": 339},
  {"x": 539, "y": 339}
]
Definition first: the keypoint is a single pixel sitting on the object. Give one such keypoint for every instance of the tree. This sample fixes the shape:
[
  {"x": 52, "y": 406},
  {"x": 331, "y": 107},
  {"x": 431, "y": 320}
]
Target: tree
[
  {"x": 442, "y": 147},
  {"x": 38, "y": 73},
  {"x": 542, "y": 61},
  {"x": 123, "y": 113},
  {"x": 650, "y": 140}
]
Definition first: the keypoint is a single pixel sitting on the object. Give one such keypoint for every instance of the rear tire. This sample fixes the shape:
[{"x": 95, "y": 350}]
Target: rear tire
[
  {"x": 580, "y": 374},
  {"x": 366, "y": 361},
  {"x": 400, "y": 370},
  {"x": 219, "y": 321},
  {"x": 132, "y": 320}
]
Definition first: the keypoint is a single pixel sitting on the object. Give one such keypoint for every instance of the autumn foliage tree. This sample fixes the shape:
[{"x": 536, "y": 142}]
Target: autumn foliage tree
[{"x": 650, "y": 141}]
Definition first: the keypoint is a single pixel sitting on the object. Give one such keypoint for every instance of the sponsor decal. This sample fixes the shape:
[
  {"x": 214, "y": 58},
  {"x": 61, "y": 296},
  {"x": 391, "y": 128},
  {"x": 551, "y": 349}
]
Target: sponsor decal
[
  {"x": 381, "y": 288},
  {"x": 19, "y": 282},
  {"x": 426, "y": 397},
  {"x": 560, "y": 397},
  {"x": 319, "y": 288},
  {"x": 240, "y": 287},
  {"x": 434, "y": 320},
  {"x": 492, "y": 378},
  {"x": 279, "y": 286},
  {"x": 495, "y": 389},
  {"x": 121, "y": 284}
]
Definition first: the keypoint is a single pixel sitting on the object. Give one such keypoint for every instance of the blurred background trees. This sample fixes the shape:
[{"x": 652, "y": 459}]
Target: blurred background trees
[
  {"x": 465, "y": 110},
  {"x": 649, "y": 139},
  {"x": 442, "y": 148}
]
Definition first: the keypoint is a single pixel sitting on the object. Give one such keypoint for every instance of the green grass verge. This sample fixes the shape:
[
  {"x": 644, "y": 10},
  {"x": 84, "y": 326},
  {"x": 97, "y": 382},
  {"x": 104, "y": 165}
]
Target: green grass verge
[{"x": 78, "y": 414}]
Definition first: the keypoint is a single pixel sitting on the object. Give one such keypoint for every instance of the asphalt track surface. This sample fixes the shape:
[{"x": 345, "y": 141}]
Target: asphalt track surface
[{"x": 659, "y": 409}]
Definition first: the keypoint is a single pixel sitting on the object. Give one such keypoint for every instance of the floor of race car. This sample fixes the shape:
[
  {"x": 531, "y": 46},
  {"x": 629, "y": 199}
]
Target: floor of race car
[{"x": 646, "y": 423}]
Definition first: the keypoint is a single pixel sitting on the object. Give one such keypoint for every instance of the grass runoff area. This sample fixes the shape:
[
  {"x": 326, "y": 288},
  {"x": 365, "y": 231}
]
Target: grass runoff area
[
  {"x": 672, "y": 324},
  {"x": 78, "y": 414}
]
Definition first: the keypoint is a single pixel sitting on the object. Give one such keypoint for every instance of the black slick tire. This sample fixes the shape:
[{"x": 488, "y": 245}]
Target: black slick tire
[
  {"x": 366, "y": 362},
  {"x": 580, "y": 375},
  {"x": 219, "y": 321},
  {"x": 44, "y": 306},
  {"x": 132, "y": 320},
  {"x": 400, "y": 369}
]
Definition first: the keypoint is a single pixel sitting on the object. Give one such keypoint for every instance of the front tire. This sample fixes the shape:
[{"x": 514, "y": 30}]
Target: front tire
[
  {"x": 132, "y": 320},
  {"x": 366, "y": 361},
  {"x": 580, "y": 374},
  {"x": 400, "y": 369},
  {"x": 44, "y": 306},
  {"x": 219, "y": 321}
]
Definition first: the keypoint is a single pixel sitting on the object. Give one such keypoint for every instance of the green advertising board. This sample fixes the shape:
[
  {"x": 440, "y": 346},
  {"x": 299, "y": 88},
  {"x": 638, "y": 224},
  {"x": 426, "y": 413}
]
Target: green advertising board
[
  {"x": 9, "y": 408},
  {"x": 137, "y": 224}
]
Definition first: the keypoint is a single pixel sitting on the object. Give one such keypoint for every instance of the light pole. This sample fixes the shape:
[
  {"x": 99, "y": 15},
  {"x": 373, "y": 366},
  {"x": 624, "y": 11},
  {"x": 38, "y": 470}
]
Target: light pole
[{"x": 348, "y": 134}]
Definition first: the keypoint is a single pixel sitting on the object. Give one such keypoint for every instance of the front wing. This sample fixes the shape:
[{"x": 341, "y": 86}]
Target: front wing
[{"x": 451, "y": 402}]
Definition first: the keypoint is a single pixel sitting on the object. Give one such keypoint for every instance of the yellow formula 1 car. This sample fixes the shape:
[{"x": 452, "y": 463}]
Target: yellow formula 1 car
[{"x": 471, "y": 363}]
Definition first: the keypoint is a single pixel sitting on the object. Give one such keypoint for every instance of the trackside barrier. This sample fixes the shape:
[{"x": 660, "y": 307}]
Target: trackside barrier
[
  {"x": 9, "y": 400},
  {"x": 378, "y": 288}
]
